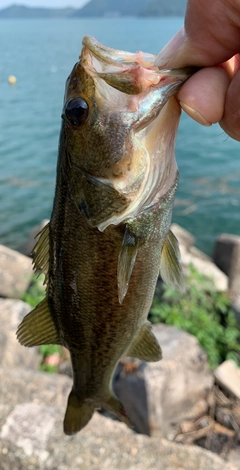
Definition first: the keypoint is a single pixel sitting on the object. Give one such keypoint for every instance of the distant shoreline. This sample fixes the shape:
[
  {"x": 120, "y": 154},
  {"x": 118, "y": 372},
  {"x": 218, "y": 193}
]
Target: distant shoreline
[
  {"x": 110, "y": 9},
  {"x": 91, "y": 17}
]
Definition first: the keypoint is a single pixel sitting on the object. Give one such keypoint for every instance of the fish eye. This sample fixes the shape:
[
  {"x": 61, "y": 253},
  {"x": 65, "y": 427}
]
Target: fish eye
[{"x": 76, "y": 111}]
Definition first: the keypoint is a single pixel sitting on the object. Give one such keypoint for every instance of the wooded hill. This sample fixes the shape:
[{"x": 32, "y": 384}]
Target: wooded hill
[{"x": 101, "y": 8}]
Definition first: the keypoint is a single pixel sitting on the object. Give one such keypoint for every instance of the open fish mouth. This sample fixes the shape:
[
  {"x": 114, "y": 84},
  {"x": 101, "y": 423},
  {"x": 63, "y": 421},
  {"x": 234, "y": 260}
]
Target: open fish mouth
[
  {"x": 129, "y": 72},
  {"x": 137, "y": 91},
  {"x": 133, "y": 119}
]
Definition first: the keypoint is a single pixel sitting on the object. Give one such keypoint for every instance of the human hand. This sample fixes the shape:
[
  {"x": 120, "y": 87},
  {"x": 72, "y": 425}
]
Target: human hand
[{"x": 210, "y": 39}]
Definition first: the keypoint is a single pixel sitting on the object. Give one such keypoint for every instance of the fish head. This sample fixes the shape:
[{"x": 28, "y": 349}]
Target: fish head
[{"x": 117, "y": 133}]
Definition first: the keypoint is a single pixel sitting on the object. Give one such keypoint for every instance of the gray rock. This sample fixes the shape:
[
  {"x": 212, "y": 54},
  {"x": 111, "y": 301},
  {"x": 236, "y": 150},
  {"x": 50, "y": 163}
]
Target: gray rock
[
  {"x": 29, "y": 245},
  {"x": 12, "y": 354},
  {"x": 129, "y": 385},
  {"x": 32, "y": 433},
  {"x": 28, "y": 426},
  {"x": 224, "y": 248},
  {"x": 190, "y": 255},
  {"x": 178, "y": 386},
  {"x": 228, "y": 376},
  {"x": 227, "y": 257},
  {"x": 184, "y": 237},
  {"x": 14, "y": 458},
  {"x": 15, "y": 273},
  {"x": 236, "y": 308},
  {"x": 204, "y": 265}
]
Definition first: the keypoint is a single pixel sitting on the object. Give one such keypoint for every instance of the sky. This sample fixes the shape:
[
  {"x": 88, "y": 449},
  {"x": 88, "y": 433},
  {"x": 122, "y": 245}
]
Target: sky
[{"x": 44, "y": 3}]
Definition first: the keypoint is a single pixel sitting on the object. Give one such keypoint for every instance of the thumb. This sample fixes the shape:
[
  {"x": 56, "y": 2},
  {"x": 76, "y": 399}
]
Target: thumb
[{"x": 211, "y": 35}]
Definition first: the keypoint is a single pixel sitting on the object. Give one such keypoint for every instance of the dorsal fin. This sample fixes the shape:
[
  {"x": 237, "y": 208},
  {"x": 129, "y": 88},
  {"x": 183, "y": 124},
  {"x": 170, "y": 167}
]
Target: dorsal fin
[
  {"x": 170, "y": 264},
  {"x": 41, "y": 253},
  {"x": 38, "y": 327},
  {"x": 126, "y": 260},
  {"x": 146, "y": 347}
]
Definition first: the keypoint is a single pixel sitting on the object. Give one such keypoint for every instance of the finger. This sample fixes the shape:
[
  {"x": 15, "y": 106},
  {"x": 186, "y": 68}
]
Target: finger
[
  {"x": 202, "y": 97},
  {"x": 232, "y": 66},
  {"x": 211, "y": 35},
  {"x": 230, "y": 122}
]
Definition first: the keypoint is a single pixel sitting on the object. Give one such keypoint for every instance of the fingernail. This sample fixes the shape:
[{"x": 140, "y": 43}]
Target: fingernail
[
  {"x": 170, "y": 49},
  {"x": 194, "y": 114}
]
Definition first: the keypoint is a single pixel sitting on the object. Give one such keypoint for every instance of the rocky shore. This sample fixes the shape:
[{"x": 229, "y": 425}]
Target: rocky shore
[{"x": 174, "y": 404}]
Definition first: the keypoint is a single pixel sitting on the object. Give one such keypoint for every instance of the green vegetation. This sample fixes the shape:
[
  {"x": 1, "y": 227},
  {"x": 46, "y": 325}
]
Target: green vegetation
[
  {"x": 36, "y": 291},
  {"x": 47, "y": 350},
  {"x": 202, "y": 312}
]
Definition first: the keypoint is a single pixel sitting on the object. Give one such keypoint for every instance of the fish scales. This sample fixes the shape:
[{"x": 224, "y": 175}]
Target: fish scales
[{"x": 109, "y": 233}]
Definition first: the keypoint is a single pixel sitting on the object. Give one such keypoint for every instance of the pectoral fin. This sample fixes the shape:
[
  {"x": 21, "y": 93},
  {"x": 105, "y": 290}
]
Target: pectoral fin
[
  {"x": 146, "y": 347},
  {"x": 126, "y": 261},
  {"x": 38, "y": 328},
  {"x": 170, "y": 265}
]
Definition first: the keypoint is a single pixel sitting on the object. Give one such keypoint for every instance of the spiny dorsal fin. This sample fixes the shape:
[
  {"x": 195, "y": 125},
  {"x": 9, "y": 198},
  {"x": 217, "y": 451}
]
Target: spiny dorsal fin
[
  {"x": 41, "y": 253},
  {"x": 146, "y": 347},
  {"x": 126, "y": 260},
  {"x": 38, "y": 327},
  {"x": 170, "y": 264}
]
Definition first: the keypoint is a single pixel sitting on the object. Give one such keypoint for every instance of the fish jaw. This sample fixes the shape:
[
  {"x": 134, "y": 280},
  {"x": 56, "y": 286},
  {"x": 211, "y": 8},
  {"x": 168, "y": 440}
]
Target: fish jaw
[{"x": 129, "y": 72}]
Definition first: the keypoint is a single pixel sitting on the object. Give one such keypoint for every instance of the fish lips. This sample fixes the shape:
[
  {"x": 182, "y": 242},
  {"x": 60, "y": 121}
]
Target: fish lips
[{"x": 131, "y": 73}]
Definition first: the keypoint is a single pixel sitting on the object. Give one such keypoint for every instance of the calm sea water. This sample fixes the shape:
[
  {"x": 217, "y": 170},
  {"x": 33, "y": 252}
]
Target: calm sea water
[{"x": 41, "y": 54}]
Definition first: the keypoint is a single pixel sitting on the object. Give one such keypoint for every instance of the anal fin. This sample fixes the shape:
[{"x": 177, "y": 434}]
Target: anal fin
[
  {"x": 146, "y": 347},
  {"x": 170, "y": 265},
  {"x": 126, "y": 261},
  {"x": 38, "y": 327}
]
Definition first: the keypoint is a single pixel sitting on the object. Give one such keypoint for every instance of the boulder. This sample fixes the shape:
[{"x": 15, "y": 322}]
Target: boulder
[
  {"x": 129, "y": 385},
  {"x": 179, "y": 385},
  {"x": 184, "y": 237},
  {"x": 204, "y": 265},
  {"x": 12, "y": 354},
  {"x": 32, "y": 239},
  {"x": 31, "y": 436},
  {"x": 228, "y": 376},
  {"x": 190, "y": 255},
  {"x": 224, "y": 249},
  {"x": 236, "y": 308},
  {"x": 227, "y": 257},
  {"x": 15, "y": 273}
]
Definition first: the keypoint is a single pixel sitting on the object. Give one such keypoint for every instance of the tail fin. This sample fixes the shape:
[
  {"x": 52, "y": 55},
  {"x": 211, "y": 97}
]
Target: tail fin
[
  {"x": 78, "y": 414},
  {"x": 115, "y": 406}
]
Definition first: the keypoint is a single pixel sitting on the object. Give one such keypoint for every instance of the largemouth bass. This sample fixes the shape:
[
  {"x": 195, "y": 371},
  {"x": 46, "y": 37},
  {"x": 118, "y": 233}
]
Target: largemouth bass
[{"x": 109, "y": 234}]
